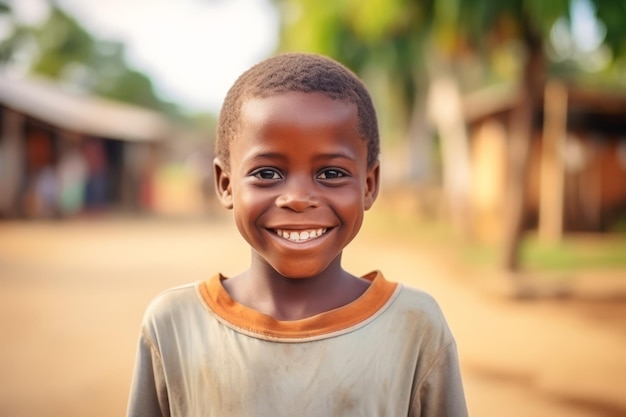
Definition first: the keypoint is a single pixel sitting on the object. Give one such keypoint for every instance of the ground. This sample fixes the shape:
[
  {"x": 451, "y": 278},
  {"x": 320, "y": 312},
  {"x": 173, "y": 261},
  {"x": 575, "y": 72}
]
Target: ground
[{"x": 73, "y": 293}]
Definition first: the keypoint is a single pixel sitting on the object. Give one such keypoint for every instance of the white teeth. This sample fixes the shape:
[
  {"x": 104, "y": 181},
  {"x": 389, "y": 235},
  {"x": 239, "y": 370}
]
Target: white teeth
[{"x": 300, "y": 236}]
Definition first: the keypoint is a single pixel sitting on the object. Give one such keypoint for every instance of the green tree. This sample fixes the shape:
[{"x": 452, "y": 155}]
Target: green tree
[
  {"x": 13, "y": 40},
  {"x": 65, "y": 50},
  {"x": 61, "y": 42},
  {"x": 416, "y": 41},
  {"x": 488, "y": 23}
]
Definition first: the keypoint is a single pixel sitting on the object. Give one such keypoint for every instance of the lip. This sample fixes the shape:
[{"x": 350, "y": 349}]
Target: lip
[
  {"x": 300, "y": 244},
  {"x": 299, "y": 236}
]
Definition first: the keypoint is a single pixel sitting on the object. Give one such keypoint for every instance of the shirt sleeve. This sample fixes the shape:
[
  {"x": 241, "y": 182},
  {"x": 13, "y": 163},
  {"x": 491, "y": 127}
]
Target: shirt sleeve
[
  {"x": 440, "y": 393},
  {"x": 148, "y": 393}
]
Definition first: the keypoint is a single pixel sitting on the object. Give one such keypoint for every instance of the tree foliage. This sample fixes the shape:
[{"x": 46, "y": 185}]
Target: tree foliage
[
  {"x": 62, "y": 49},
  {"x": 414, "y": 41},
  {"x": 402, "y": 37}
]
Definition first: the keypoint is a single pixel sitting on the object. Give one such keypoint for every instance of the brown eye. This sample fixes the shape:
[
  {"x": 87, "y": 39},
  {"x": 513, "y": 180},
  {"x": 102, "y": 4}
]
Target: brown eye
[
  {"x": 329, "y": 174},
  {"x": 266, "y": 174}
]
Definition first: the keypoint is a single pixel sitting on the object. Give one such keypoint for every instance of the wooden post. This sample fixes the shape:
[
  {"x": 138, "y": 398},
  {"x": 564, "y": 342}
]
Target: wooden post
[
  {"x": 446, "y": 111},
  {"x": 11, "y": 161},
  {"x": 552, "y": 167}
]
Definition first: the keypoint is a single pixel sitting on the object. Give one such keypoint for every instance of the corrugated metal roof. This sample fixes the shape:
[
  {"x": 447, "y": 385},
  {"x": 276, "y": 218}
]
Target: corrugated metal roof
[{"x": 50, "y": 102}]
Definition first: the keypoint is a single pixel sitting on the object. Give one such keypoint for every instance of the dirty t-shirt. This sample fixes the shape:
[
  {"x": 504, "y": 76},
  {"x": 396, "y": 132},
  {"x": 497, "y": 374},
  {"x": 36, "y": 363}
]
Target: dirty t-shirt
[{"x": 388, "y": 353}]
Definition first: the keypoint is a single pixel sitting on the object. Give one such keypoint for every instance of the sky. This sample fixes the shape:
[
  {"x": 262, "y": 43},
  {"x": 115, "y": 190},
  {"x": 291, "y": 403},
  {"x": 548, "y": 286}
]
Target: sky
[{"x": 193, "y": 50}]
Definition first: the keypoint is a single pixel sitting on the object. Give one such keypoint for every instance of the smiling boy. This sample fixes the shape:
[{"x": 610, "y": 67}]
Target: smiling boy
[{"x": 295, "y": 334}]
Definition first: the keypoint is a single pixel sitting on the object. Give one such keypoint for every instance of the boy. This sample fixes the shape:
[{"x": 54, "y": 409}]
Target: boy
[{"x": 296, "y": 334}]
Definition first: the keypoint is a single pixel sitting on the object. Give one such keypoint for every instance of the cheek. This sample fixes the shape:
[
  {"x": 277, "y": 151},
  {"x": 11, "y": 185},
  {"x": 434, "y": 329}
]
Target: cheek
[
  {"x": 348, "y": 198},
  {"x": 350, "y": 207},
  {"x": 251, "y": 200},
  {"x": 249, "y": 205}
]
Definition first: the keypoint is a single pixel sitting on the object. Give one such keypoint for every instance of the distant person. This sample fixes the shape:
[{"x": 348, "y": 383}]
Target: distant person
[
  {"x": 200, "y": 163},
  {"x": 295, "y": 334},
  {"x": 96, "y": 180},
  {"x": 47, "y": 190},
  {"x": 72, "y": 177}
]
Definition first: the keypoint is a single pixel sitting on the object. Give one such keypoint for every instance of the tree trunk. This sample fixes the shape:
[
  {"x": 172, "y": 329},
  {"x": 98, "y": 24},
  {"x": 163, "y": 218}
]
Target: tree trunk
[
  {"x": 521, "y": 130},
  {"x": 421, "y": 168},
  {"x": 446, "y": 111},
  {"x": 552, "y": 179}
]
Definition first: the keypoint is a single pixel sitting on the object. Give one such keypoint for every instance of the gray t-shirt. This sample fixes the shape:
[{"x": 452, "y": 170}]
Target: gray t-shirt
[{"x": 388, "y": 353}]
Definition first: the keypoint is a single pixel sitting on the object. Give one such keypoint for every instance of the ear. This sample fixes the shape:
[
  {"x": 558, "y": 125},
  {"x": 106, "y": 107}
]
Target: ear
[
  {"x": 372, "y": 183},
  {"x": 223, "y": 186}
]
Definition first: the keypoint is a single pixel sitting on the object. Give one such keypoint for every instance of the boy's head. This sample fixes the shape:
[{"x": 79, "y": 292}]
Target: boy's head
[{"x": 297, "y": 72}]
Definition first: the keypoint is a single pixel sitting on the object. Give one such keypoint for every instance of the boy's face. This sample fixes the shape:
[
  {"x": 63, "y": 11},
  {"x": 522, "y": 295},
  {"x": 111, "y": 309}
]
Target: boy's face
[{"x": 298, "y": 181}]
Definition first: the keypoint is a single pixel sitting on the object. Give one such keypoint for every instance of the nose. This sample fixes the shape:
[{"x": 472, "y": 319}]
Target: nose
[{"x": 298, "y": 195}]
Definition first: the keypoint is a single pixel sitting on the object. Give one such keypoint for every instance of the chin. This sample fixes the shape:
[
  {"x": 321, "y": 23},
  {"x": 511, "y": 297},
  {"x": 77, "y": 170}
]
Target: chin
[{"x": 299, "y": 272}]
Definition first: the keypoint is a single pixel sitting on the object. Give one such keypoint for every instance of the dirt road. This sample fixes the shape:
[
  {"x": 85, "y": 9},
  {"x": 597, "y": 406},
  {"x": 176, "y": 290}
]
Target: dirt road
[{"x": 72, "y": 296}]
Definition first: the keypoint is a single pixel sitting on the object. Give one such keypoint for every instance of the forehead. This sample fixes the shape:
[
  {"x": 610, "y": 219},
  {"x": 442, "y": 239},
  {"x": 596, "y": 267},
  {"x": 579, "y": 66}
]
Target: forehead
[
  {"x": 298, "y": 123},
  {"x": 297, "y": 108}
]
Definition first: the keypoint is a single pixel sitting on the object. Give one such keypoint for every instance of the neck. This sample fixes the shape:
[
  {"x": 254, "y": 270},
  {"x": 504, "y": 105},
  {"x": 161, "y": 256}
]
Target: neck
[{"x": 264, "y": 289}]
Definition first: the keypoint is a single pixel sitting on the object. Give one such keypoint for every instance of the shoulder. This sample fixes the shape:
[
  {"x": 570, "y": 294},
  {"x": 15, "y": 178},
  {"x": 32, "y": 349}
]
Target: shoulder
[
  {"x": 172, "y": 298},
  {"x": 172, "y": 319},
  {"x": 415, "y": 309},
  {"x": 421, "y": 315},
  {"x": 408, "y": 299},
  {"x": 419, "y": 302},
  {"x": 170, "y": 306}
]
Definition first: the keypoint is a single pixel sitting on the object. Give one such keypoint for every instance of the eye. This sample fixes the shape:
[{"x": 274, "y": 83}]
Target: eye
[
  {"x": 331, "y": 173},
  {"x": 266, "y": 174}
]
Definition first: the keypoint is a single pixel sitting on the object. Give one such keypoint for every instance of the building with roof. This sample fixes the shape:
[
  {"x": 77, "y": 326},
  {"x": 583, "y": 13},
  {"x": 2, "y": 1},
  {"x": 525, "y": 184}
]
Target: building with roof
[
  {"x": 63, "y": 152},
  {"x": 577, "y": 166}
]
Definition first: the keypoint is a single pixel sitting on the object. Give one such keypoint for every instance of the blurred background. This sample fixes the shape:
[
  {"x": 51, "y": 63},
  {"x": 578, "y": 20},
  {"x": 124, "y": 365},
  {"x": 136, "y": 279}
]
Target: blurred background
[{"x": 503, "y": 126}]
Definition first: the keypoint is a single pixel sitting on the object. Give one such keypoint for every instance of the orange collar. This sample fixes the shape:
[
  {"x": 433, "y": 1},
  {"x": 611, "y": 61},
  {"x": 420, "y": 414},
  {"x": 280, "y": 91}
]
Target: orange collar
[{"x": 250, "y": 321}]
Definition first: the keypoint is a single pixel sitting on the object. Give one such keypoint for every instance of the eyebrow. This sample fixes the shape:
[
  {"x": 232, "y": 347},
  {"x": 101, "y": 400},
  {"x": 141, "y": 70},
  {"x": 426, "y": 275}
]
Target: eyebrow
[
  {"x": 338, "y": 155},
  {"x": 268, "y": 155},
  {"x": 323, "y": 157}
]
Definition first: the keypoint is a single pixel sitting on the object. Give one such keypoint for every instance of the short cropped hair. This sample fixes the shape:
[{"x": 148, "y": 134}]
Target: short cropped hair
[{"x": 297, "y": 72}]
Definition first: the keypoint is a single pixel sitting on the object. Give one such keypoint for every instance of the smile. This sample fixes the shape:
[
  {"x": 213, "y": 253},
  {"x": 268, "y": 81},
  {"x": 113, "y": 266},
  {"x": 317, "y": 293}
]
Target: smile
[{"x": 300, "y": 236}]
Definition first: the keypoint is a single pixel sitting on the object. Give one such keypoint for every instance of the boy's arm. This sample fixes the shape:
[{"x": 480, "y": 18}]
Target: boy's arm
[
  {"x": 148, "y": 393},
  {"x": 440, "y": 392}
]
